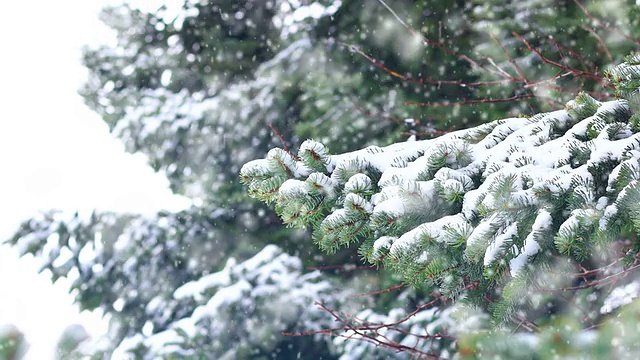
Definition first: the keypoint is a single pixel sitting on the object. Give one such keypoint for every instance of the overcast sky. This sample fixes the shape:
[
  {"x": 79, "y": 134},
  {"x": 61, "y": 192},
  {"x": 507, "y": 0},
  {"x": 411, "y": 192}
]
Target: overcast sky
[{"x": 55, "y": 153}]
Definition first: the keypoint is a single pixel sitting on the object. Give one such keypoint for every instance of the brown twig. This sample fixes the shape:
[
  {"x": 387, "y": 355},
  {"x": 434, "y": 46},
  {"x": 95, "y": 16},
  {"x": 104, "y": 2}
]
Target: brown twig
[
  {"x": 383, "y": 291},
  {"x": 354, "y": 328},
  {"x": 599, "y": 282},
  {"x": 421, "y": 81},
  {"x": 284, "y": 143},
  {"x": 470, "y": 102},
  {"x": 515, "y": 66},
  {"x": 568, "y": 70},
  {"x": 602, "y": 43}
]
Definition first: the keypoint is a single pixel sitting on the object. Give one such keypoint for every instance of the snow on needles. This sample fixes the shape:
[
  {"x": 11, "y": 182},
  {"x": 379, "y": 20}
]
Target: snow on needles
[{"x": 543, "y": 222}]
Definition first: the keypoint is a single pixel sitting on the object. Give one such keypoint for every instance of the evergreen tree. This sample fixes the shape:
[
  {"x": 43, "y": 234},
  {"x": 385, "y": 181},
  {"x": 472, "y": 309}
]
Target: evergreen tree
[{"x": 197, "y": 89}]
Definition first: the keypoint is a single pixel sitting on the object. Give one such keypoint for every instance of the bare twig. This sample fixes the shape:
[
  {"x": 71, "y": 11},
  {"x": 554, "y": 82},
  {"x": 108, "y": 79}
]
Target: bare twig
[
  {"x": 471, "y": 102},
  {"x": 515, "y": 66},
  {"x": 284, "y": 143},
  {"x": 383, "y": 291},
  {"x": 353, "y": 328},
  {"x": 564, "y": 68},
  {"x": 422, "y": 81},
  {"x": 602, "y": 43},
  {"x": 599, "y": 282}
]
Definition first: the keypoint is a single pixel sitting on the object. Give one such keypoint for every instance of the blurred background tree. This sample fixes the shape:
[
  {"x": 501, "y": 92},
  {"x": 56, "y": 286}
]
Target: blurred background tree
[
  {"x": 203, "y": 87},
  {"x": 13, "y": 345}
]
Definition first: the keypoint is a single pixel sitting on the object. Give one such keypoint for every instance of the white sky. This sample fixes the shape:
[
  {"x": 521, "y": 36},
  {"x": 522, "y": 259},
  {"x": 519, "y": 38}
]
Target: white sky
[{"x": 55, "y": 153}]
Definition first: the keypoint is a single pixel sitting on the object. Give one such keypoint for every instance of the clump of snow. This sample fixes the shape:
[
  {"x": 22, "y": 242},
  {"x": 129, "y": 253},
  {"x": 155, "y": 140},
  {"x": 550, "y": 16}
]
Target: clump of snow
[
  {"x": 358, "y": 183},
  {"x": 384, "y": 242},
  {"x": 259, "y": 167},
  {"x": 394, "y": 207},
  {"x": 499, "y": 243},
  {"x": 431, "y": 231},
  {"x": 480, "y": 231},
  {"x": 621, "y": 296},
  {"x": 318, "y": 150},
  {"x": 296, "y": 168},
  {"x": 531, "y": 247},
  {"x": 196, "y": 289},
  {"x": 609, "y": 212},
  {"x": 357, "y": 201},
  {"x": 293, "y": 188}
]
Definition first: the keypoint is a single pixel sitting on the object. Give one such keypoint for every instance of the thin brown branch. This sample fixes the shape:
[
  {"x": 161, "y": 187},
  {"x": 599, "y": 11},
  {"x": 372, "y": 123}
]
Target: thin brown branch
[
  {"x": 471, "y": 102},
  {"x": 602, "y": 43},
  {"x": 600, "y": 282},
  {"x": 422, "y": 81},
  {"x": 284, "y": 143},
  {"x": 383, "y": 291},
  {"x": 515, "y": 66},
  {"x": 356, "y": 329},
  {"x": 564, "y": 68},
  {"x": 587, "y": 65}
]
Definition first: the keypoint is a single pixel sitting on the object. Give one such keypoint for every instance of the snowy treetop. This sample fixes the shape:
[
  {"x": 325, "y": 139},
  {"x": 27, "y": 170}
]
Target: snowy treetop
[{"x": 486, "y": 203}]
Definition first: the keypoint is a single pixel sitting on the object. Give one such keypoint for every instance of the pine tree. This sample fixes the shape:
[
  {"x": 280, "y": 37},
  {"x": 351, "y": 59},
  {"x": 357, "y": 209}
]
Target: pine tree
[{"x": 494, "y": 217}]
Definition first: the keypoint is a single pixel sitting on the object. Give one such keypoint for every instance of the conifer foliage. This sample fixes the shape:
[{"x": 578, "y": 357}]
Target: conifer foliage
[{"x": 485, "y": 214}]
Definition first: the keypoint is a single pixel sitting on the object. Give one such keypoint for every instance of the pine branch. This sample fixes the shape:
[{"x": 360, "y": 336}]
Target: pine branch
[{"x": 483, "y": 206}]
